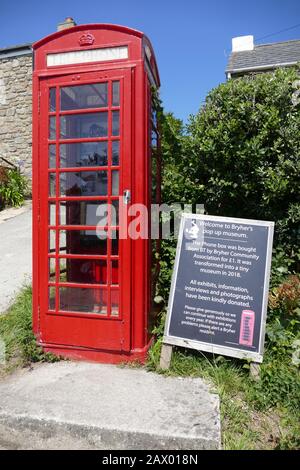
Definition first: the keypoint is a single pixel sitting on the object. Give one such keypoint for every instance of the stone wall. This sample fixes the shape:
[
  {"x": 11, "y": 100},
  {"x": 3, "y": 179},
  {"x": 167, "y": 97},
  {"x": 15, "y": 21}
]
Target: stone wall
[{"x": 15, "y": 111}]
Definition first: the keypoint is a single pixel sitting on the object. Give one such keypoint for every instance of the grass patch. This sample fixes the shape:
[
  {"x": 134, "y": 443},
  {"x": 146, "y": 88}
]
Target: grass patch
[{"x": 16, "y": 333}]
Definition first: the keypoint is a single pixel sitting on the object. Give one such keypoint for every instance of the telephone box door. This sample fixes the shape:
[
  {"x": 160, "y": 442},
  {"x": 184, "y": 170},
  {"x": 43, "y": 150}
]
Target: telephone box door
[{"x": 84, "y": 166}]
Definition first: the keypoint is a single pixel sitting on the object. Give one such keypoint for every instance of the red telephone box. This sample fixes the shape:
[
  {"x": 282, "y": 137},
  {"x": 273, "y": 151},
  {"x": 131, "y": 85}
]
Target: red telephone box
[{"x": 93, "y": 127}]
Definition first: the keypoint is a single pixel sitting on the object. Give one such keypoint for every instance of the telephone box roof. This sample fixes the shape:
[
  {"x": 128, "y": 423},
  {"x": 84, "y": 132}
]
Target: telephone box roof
[{"x": 98, "y": 26}]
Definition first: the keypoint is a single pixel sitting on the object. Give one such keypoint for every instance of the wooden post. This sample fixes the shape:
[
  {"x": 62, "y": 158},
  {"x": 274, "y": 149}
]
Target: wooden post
[
  {"x": 165, "y": 356},
  {"x": 255, "y": 371}
]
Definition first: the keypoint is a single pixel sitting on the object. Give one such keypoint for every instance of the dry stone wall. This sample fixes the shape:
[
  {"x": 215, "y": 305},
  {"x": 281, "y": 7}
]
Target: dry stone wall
[{"x": 15, "y": 111}]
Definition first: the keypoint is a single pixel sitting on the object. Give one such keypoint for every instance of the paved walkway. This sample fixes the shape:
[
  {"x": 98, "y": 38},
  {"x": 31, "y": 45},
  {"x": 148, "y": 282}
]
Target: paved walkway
[
  {"x": 69, "y": 405},
  {"x": 15, "y": 252}
]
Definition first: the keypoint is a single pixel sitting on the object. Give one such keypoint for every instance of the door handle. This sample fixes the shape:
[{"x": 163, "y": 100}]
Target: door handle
[{"x": 126, "y": 196}]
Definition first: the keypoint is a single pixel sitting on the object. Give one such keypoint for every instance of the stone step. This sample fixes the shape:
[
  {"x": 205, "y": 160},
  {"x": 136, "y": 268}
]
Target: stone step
[{"x": 71, "y": 405}]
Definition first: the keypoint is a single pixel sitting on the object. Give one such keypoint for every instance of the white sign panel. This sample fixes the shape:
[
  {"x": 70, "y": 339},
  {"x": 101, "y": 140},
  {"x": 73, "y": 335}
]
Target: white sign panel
[
  {"x": 91, "y": 55},
  {"x": 219, "y": 293}
]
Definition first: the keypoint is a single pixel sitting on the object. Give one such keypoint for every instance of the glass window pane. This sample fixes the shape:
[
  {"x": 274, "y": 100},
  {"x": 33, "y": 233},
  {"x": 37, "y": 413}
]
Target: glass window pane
[
  {"x": 51, "y": 293},
  {"x": 83, "y": 96},
  {"x": 114, "y": 303},
  {"x": 51, "y": 241},
  {"x": 52, "y": 184},
  {"x": 115, "y": 152},
  {"x": 97, "y": 214},
  {"x": 52, "y": 264},
  {"x": 102, "y": 272},
  {"x": 87, "y": 154},
  {"x": 73, "y": 299},
  {"x": 84, "y": 183},
  {"x": 52, "y": 213},
  {"x": 82, "y": 242},
  {"x": 116, "y": 94},
  {"x": 75, "y": 126},
  {"x": 115, "y": 183},
  {"x": 83, "y": 271},
  {"x": 62, "y": 263},
  {"x": 115, "y": 213},
  {"x": 83, "y": 213},
  {"x": 52, "y": 100},
  {"x": 52, "y": 128},
  {"x": 115, "y": 123},
  {"x": 52, "y": 156},
  {"x": 62, "y": 241},
  {"x": 115, "y": 242},
  {"x": 115, "y": 272}
]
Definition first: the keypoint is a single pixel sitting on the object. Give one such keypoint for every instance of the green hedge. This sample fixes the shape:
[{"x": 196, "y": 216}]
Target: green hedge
[{"x": 240, "y": 157}]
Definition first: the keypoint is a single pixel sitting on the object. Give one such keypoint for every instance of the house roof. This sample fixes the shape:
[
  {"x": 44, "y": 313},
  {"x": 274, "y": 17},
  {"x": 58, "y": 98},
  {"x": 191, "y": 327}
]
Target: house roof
[
  {"x": 265, "y": 56},
  {"x": 14, "y": 51}
]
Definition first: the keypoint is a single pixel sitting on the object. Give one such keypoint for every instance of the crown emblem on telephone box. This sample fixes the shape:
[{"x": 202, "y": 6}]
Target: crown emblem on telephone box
[{"x": 86, "y": 40}]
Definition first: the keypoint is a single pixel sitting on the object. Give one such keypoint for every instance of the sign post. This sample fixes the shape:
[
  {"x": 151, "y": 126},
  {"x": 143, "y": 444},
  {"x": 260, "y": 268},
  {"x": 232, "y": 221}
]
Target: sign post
[{"x": 219, "y": 293}]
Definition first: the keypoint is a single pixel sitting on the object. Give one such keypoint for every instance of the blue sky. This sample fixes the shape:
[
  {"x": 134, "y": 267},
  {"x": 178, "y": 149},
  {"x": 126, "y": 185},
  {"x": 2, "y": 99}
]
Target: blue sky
[{"x": 191, "y": 38}]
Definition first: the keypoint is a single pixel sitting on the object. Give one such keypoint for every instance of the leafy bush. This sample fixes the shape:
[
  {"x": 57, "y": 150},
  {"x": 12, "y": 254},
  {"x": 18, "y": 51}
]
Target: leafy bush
[
  {"x": 13, "y": 187},
  {"x": 240, "y": 155},
  {"x": 283, "y": 321},
  {"x": 282, "y": 265},
  {"x": 245, "y": 149},
  {"x": 286, "y": 297}
]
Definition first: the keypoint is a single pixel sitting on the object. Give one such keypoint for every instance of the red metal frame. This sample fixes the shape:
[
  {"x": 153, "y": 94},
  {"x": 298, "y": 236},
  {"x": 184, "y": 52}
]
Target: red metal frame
[{"x": 89, "y": 335}]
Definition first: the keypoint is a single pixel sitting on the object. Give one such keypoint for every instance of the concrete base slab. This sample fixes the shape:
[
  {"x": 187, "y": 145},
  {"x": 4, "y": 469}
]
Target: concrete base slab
[{"x": 69, "y": 405}]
